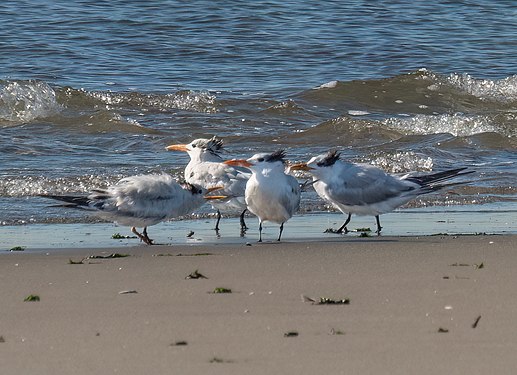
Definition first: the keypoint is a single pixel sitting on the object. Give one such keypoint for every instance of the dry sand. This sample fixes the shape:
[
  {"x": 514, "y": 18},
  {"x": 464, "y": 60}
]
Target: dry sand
[{"x": 402, "y": 291}]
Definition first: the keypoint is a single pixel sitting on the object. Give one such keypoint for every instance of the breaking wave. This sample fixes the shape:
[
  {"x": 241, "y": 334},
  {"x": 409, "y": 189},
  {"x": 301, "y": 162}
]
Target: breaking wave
[
  {"x": 419, "y": 92},
  {"x": 503, "y": 90},
  {"x": 25, "y": 101}
]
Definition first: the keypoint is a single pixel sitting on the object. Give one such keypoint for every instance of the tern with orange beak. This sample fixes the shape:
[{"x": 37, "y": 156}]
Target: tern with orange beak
[
  {"x": 364, "y": 189},
  {"x": 141, "y": 201},
  {"x": 270, "y": 194},
  {"x": 206, "y": 169}
]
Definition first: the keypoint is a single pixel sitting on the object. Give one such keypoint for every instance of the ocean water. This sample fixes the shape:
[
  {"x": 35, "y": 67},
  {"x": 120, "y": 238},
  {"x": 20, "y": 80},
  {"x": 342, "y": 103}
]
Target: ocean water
[{"x": 92, "y": 91}]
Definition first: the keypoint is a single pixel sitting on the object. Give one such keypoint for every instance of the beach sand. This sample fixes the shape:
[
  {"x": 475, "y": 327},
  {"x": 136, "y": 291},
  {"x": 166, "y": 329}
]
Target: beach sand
[{"x": 417, "y": 305}]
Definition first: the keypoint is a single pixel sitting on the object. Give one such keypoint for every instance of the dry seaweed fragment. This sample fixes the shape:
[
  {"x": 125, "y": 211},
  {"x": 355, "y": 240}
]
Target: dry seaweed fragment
[
  {"x": 17, "y": 248},
  {"x": 118, "y": 236},
  {"x": 220, "y": 360},
  {"x": 291, "y": 334},
  {"x": 326, "y": 301},
  {"x": 109, "y": 256},
  {"x": 475, "y": 324},
  {"x": 32, "y": 298},
  {"x": 2, "y": 340},
  {"x": 179, "y": 343},
  {"x": 196, "y": 275},
  {"x": 330, "y": 301},
  {"x": 221, "y": 290},
  {"x": 443, "y": 330}
]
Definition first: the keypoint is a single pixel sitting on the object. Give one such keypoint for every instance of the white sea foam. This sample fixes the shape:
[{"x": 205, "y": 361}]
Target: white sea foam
[
  {"x": 183, "y": 100},
  {"x": 503, "y": 90},
  {"x": 328, "y": 85},
  {"x": 24, "y": 101},
  {"x": 353, "y": 112},
  {"x": 458, "y": 125},
  {"x": 403, "y": 162}
]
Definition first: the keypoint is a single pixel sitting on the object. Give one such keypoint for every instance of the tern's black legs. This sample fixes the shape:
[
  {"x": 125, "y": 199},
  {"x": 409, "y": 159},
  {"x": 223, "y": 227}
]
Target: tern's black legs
[
  {"x": 243, "y": 224},
  {"x": 281, "y": 230},
  {"x": 143, "y": 236},
  {"x": 241, "y": 219},
  {"x": 260, "y": 232},
  {"x": 342, "y": 229},
  {"x": 379, "y": 228},
  {"x": 218, "y": 220}
]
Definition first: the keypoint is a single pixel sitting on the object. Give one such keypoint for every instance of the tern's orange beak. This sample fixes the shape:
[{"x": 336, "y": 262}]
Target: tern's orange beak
[
  {"x": 214, "y": 188},
  {"x": 211, "y": 197},
  {"x": 238, "y": 163},
  {"x": 300, "y": 167},
  {"x": 177, "y": 148}
]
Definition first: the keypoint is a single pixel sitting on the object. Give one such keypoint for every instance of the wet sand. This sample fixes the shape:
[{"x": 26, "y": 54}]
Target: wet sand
[{"x": 417, "y": 305}]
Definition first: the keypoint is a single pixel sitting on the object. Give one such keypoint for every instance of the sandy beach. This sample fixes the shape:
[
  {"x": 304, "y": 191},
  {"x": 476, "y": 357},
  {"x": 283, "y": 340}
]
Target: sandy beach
[{"x": 388, "y": 305}]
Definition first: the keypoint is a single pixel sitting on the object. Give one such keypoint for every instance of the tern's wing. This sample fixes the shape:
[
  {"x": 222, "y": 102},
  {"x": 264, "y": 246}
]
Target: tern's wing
[
  {"x": 290, "y": 197},
  {"x": 366, "y": 185},
  {"x": 211, "y": 174},
  {"x": 238, "y": 173},
  {"x": 157, "y": 196}
]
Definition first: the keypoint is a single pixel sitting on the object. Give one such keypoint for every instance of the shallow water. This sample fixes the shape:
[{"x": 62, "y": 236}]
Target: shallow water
[
  {"x": 93, "y": 91},
  {"x": 491, "y": 219}
]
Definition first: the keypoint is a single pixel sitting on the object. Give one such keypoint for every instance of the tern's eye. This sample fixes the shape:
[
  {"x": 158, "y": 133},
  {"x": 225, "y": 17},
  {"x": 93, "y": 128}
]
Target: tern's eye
[
  {"x": 193, "y": 146},
  {"x": 260, "y": 160},
  {"x": 200, "y": 191}
]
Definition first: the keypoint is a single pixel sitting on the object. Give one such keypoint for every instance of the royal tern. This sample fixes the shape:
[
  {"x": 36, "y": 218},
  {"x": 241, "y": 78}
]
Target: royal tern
[
  {"x": 206, "y": 169},
  {"x": 364, "y": 189},
  {"x": 141, "y": 201},
  {"x": 271, "y": 195}
]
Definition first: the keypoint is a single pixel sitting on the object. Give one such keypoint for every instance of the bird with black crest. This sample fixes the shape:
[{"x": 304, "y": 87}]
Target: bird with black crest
[
  {"x": 141, "y": 201},
  {"x": 270, "y": 194},
  {"x": 364, "y": 189},
  {"x": 206, "y": 169}
]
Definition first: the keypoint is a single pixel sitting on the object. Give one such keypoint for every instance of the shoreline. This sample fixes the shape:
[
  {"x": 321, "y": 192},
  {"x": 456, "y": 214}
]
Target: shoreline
[{"x": 458, "y": 220}]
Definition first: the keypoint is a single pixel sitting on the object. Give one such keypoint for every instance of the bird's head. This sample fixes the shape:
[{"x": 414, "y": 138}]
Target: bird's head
[
  {"x": 261, "y": 161},
  {"x": 197, "y": 190},
  {"x": 201, "y": 148},
  {"x": 318, "y": 164}
]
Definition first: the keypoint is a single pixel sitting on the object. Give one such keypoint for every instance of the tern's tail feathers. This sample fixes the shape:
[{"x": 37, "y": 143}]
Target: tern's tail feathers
[
  {"x": 431, "y": 180},
  {"x": 74, "y": 201},
  {"x": 435, "y": 187},
  {"x": 304, "y": 186}
]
